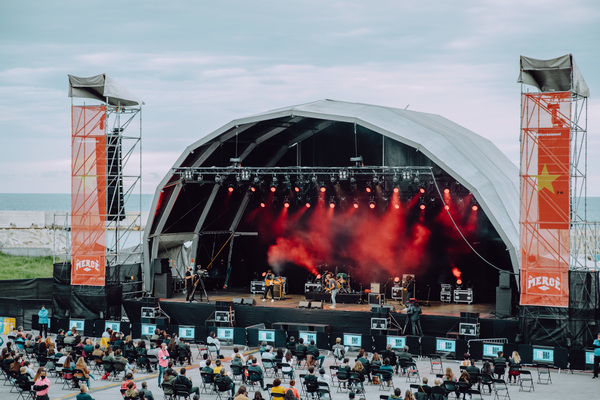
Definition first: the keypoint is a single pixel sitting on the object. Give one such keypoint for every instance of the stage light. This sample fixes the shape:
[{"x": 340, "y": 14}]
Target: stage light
[
  {"x": 368, "y": 187},
  {"x": 474, "y": 207},
  {"x": 273, "y": 188},
  {"x": 245, "y": 175},
  {"x": 188, "y": 175},
  {"x": 353, "y": 183},
  {"x": 397, "y": 279},
  {"x": 446, "y": 191},
  {"x": 264, "y": 274},
  {"x": 422, "y": 206},
  {"x": 343, "y": 174},
  {"x": 331, "y": 202},
  {"x": 397, "y": 206},
  {"x": 252, "y": 188},
  {"x": 286, "y": 202},
  {"x": 262, "y": 204},
  {"x": 296, "y": 189},
  {"x": 447, "y": 207},
  {"x": 323, "y": 188},
  {"x": 230, "y": 188},
  {"x": 331, "y": 205},
  {"x": 375, "y": 180},
  {"x": 406, "y": 175},
  {"x": 372, "y": 203},
  {"x": 396, "y": 189},
  {"x": 274, "y": 184},
  {"x": 422, "y": 189},
  {"x": 319, "y": 276},
  {"x": 218, "y": 179},
  {"x": 307, "y": 205},
  {"x": 332, "y": 178}
]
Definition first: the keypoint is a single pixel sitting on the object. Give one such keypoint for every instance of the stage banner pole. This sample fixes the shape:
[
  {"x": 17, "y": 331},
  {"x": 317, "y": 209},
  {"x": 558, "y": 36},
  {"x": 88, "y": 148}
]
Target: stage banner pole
[
  {"x": 545, "y": 198},
  {"x": 88, "y": 195}
]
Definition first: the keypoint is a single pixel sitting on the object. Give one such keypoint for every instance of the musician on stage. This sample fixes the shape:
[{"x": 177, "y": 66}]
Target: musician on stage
[
  {"x": 269, "y": 283},
  {"x": 332, "y": 287},
  {"x": 189, "y": 285}
]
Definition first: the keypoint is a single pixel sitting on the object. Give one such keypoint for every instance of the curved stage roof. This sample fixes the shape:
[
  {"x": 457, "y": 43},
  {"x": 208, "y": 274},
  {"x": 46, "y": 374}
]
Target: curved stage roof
[{"x": 276, "y": 138}]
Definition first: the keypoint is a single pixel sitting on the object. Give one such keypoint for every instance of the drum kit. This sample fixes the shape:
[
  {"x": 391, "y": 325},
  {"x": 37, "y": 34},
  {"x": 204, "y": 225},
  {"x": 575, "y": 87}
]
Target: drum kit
[{"x": 343, "y": 279}]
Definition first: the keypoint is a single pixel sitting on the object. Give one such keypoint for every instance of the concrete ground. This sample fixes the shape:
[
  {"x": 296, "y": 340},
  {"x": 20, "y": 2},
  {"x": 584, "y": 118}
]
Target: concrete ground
[{"x": 565, "y": 384}]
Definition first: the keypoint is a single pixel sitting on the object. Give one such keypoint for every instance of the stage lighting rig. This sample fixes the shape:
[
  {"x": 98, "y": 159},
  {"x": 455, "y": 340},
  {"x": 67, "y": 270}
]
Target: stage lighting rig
[
  {"x": 322, "y": 187},
  {"x": 188, "y": 175},
  {"x": 218, "y": 179},
  {"x": 343, "y": 174},
  {"x": 274, "y": 184},
  {"x": 245, "y": 175}
]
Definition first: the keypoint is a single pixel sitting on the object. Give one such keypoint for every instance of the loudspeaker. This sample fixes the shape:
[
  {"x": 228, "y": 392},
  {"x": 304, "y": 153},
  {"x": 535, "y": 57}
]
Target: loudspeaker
[
  {"x": 304, "y": 304},
  {"x": 375, "y": 298},
  {"x": 316, "y": 304},
  {"x": 163, "y": 286},
  {"x": 503, "y": 302},
  {"x": 114, "y": 177},
  {"x": 238, "y": 300},
  {"x": 249, "y": 301},
  {"x": 161, "y": 266},
  {"x": 504, "y": 281}
]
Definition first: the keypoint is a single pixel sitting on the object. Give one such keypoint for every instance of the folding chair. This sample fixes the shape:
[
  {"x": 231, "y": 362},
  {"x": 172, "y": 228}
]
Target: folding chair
[
  {"x": 500, "y": 389},
  {"x": 525, "y": 381},
  {"x": 435, "y": 361},
  {"x": 237, "y": 372},
  {"x": 221, "y": 388},
  {"x": 269, "y": 366},
  {"x": 323, "y": 390},
  {"x": 342, "y": 377},
  {"x": 385, "y": 380},
  {"x": 286, "y": 370},
  {"x": 451, "y": 387},
  {"x": 412, "y": 373},
  {"x": 543, "y": 374},
  {"x": 167, "y": 387},
  {"x": 180, "y": 391},
  {"x": 208, "y": 383}
]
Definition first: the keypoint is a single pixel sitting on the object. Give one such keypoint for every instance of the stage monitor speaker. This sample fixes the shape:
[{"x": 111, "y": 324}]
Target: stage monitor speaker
[
  {"x": 249, "y": 301},
  {"x": 161, "y": 266},
  {"x": 316, "y": 304},
  {"x": 238, "y": 300},
  {"x": 375, "y": 298},
  {"x": 304, "y": 304},
  {"x": 469, "y": 317},
  {"x": 163, "y": 286},
  {"x": 504, "y": 281},
  {"x": 503, "y": 302}
]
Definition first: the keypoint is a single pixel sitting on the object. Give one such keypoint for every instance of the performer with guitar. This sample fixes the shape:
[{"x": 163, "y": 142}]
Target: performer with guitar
[
  {"x": 333, "y": 287},
  {"x": 270, "y": 281},
  {"x": 189, "y": 285}
]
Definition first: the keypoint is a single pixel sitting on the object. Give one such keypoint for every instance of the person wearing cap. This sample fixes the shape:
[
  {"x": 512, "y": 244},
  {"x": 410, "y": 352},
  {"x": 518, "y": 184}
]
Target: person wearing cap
[{"x": 323, "y": 377}]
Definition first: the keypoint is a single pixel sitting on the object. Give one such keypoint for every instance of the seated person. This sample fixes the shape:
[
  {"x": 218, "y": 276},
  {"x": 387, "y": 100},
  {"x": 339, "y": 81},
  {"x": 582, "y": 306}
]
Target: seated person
[
  {"x": 208, "y": 369},
  {"x": 236, "y": 352},
  {"x": 183, "y": 380},
  {"x": 131, "y": 391},
  {"x": 218, "y": 367},
  {"x": 222, "y": 379},
  {"x": 119, "y": 359},
  {"x": 277, "y": 388},
  {"x": 301, "y": 350},
  {"x": 338, "y": 349},
  {"x": 168, "y": 378},
  {"x": 83, "y": 395},
  {"x": 255, "y": 368},
  {"x": 437, "y": 389},
  {"x": 145, "y": 392},
  {"x": 183, "y": 346},
  {"x": 472, "y": 368},
  {"x": 313, "y": 355},
  {"x": 396, "y": 395},
  {"x": 449, "y": 375},
  {"x": 214, "y": 343}
]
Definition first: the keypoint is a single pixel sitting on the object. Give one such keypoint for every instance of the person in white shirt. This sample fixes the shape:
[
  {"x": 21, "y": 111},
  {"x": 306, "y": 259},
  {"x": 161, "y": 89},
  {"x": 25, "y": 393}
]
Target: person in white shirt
[
  {"x": 323, "y": 377},
  {"x": 236, "y": 350},
  {"x": 212, "y": 340}
]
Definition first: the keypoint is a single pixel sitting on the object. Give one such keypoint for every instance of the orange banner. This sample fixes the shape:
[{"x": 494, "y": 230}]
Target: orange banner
[
  {"x": 88, "y": 195},
  {"x": 545, "y": 191}
]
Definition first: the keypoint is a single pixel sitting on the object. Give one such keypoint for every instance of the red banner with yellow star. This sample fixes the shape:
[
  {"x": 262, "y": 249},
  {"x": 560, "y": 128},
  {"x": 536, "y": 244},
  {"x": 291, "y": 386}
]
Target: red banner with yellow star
[{"x": 545, "y": 191}]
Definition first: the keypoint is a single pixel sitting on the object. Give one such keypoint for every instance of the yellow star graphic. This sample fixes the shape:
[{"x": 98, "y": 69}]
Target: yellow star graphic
[{"x": 545, "y": 180}]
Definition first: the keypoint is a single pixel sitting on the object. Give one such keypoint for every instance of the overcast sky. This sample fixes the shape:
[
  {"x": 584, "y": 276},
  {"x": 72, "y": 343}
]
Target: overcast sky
[{"x": 198, "y": 65}]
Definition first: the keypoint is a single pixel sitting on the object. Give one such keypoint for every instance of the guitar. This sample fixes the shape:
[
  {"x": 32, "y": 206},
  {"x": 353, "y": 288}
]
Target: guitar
[
  {"x": 276, "y": 281},
  {"x": 330, "y": 288}
]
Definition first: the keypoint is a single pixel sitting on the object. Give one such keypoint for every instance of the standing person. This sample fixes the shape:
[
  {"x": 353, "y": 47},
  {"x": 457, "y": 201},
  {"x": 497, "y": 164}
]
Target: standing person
[
  {"x": 333, "y": 287},
  {"x": 163, "y": 361},
  {"x": 189, "y": 285},
  {"x": 43, "y": 321},
  {"x": 269, "y": 282},
  {"x": 414, "y": 312},
  {"x": 42, "y": 387},
  {"x": 596, "y": 346}
]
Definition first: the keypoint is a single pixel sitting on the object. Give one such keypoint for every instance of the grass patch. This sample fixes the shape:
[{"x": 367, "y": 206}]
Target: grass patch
[{"x": 21, "y": 267}]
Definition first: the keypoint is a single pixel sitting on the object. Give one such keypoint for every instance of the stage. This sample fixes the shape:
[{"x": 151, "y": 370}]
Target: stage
[{"x": 438, "y": 319}]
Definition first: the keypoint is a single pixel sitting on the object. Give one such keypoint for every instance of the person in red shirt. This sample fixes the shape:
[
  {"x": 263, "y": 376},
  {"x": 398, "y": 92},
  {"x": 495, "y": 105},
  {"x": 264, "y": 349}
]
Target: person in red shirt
[{"x": 293, "y": 389}]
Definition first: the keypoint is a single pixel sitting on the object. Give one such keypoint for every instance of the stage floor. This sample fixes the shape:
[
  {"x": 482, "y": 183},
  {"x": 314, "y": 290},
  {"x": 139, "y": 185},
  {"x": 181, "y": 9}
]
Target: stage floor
[{"x": 292, "y": 300}]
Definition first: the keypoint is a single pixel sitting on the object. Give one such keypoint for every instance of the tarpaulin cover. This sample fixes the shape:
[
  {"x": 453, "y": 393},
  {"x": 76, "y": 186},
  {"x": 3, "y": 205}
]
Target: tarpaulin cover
[
  {"x": 103, "y": 88},
  {"x": 37, "y": 288},
  {"x": 554, "y": 75}
]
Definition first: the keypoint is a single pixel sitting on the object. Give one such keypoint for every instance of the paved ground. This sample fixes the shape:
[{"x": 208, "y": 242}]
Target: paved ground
[{"x": 566, "y": 384}]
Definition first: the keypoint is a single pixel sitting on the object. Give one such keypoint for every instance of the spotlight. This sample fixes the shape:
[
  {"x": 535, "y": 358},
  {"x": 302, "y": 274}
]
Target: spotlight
[
  {"x": 474, "y": 207},
  {"x": 331, "y": 202},
  {"x": 422, "y": 189},
  {"x": 188, "y": 175},
  {"x": 218, "y": 179},
  {"x": 422, "y": 204},
  {"x": 447, "y": 207},
  {"x": 252, "y": 188},
  {"x": 368, "y": 188},
  {"x": 323, "y": 188},
  {"x": 230, "y": 188},
  {"x": 245, "y": 175},
  {"x": 375, "y": 180},
  {"x": 343, "y": 174},
  {"x": 262, "y": 204},
  {"x": 332, "y": 178},
  {"x": 307, "y": 205},
  {"x": 397, "y": 206},
  {"x": 297, "y": 189},
  {"x": 396, "y": 189},
  {"x": 273, "y": 187},
  {"x": 446, "y": 191},
  {"x": 406, "y": 175},
  {"x": 355, "y": 203},
  {"x": 286, "y": 202},
  {"x": 397, "y": 279},
  {"x": 372, "y": 203},
  {"x": 352, "y": 183}
]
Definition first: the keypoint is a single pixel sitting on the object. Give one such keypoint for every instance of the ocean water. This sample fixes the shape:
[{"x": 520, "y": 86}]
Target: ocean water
[{"x": 62, "y": 202}]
